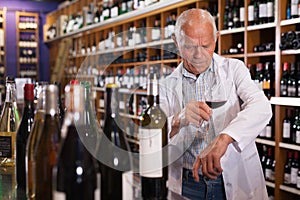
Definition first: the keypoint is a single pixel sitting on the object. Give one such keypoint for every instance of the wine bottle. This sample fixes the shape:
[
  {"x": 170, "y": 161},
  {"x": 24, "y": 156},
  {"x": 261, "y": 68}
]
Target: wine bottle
[
  {"x": 284, "y": 80},
  {"x": 296, "y": 127},
  {"x": 270, "y": 11},
  {"x": 251, "y": 13},
  {"x": 286, "y": 131},
  {"x": 287, "y": 169},
  {"x": 294, "y": 169},
  {"x": 61, "y": 109},
  {"x": 153, "y": 138},
  {"x": 33, "y": 140},
  {"x": 268, "y": 166},
  {"x": 263, "y": 158},
  {"x": 9, "y": 123},
  {"x": 75, "y": 172},
  {"x": 291, "y": 82},
  {"x": 47, "y": 148},
  {"x": 113, "y": 148},
  {"x": 22, "y": 136}
]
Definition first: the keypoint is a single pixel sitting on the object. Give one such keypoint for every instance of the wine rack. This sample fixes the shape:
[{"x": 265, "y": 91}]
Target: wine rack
[
  {"x": 27, "y": 45},
  {"x": 97, "y": 45}
]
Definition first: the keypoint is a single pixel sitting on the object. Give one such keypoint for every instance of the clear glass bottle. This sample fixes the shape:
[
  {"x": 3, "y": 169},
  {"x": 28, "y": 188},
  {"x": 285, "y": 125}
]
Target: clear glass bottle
[
  {"x": 153, "y": 138},
  {"x": 33, "y": 140},
  {"x": 48, "y": 145},
  {"x": 9, "y": 123}
]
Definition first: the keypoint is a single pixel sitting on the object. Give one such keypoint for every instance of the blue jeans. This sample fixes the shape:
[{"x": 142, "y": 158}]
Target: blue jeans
[{"x": 204, "y": 189}]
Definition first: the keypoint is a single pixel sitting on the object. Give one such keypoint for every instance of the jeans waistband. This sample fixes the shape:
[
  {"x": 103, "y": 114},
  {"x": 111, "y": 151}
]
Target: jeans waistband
[{"x": 187, "y": 173}]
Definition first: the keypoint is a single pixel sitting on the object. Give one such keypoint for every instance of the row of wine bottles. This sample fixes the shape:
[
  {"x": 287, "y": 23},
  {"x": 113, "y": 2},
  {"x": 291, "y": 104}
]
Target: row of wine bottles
[
  {"x": 259, "y": 12},
  {"x": 290, "y": 80},
  {"x": 291, "y": 126},
  {"x": 66, "y": 155}
]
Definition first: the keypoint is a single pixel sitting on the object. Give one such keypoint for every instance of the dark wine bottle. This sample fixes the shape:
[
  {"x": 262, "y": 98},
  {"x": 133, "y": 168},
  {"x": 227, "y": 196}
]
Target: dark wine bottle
[
  {"x": 47, "y": 148},
  {"x": 22, "y": 137},
  {"x": 268, "y": 166},
  {"x": 75, "y": 174},
  {"x": 284, "y": 80},
  {"x": 61, "y": 109},
  {"x": 113, "y": 148},
  {"x": 294, "y": 169},
  {"x": 286, "y": 126},
  {"x": 153, "y": 138},
  {"x": 287, "y": 169}
]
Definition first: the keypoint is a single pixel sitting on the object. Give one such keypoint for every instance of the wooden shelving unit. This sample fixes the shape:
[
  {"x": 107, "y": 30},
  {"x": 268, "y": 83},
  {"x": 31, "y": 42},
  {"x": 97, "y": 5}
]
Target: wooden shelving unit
[
  {"x": 27, "y": 45},
  {"x": 92, "y": 64}
]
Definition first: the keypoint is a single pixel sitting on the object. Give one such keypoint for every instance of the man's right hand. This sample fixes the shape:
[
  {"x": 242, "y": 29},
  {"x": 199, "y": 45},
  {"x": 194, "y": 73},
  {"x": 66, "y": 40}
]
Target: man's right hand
[{"x": 194, "y": 112}]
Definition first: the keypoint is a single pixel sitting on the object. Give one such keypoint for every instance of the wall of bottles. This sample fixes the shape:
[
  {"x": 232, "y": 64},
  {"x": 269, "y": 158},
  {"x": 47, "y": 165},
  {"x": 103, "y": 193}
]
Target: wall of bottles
[{"x": 28, "y": 45}]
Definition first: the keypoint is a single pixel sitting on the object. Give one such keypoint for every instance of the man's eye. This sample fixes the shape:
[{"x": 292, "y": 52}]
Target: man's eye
[{"x": 188, "y": 47}]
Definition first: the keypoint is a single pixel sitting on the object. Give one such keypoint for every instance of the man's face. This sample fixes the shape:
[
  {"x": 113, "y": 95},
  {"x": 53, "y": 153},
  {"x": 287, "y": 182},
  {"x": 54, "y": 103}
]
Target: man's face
[{"x": 196, "y": 46}]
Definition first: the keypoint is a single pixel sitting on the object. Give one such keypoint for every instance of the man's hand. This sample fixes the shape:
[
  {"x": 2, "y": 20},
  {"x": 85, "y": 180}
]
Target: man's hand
[
  {"x": 194, "y": 112},
  {"x": 209, "y": 158}
]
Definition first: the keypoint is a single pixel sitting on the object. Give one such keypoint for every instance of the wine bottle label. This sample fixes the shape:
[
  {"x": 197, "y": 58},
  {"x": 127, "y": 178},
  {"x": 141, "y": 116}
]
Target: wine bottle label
[
  {"x": 155, "y": 34},
  {"x": 294, "y": 173},
  {"x": 286, "y": 130},
  {"x": 127, "y": 185},
  {"x": 59, "y": 195},
  {"x": 250, "y": 13},
  {"x": 7, "y": 144},
  {"x": 287, "y": 178},
  {"x": 298, "y": 137},
  {"x": 268, "y": 131},
  {"x": 151, "y": 153},
  {"x": 97, "y": 193},
  {"x": 270, "y": 9},
  {"x": 298, "y": 182},
  {"x": 268, "y": 173}
]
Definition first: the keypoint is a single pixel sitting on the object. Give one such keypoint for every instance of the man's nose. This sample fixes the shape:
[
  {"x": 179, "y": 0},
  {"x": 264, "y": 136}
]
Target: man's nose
[{"x": 198, "y": 51}]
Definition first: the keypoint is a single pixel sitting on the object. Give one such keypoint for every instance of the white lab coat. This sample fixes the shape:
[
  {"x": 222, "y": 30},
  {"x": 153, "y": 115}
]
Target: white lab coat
[{"x": 243, "y": 117}]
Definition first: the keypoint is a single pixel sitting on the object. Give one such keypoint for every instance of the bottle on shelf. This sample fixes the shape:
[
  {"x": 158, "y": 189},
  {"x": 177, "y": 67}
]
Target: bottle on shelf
[
  {"x": 113, "y": 150},
  {"x": 47, "y": 149},
  {"x": 287, "y": 168},
  {"x": 60, "y": 106},
  {"x": 296, "y": 127},
  {"x": 263, "y": 158},
  {"x": 23, "y": 132},
  {"x": 33, "y": 140},
  {"x": 294, "y": 169},
  {"x": 153, "y": 139},
  {"x": 269, "y": 165},
  {"x": 286, "y": 130},
  {"x": 9, "y": 123},
  {"x": 291, "y": 82},
  {"x": 75, "y": 175},
  {"x": 284, "y": 80},
  {"x": 262, "y": 11},
  {"x": 266, "y": 81}
]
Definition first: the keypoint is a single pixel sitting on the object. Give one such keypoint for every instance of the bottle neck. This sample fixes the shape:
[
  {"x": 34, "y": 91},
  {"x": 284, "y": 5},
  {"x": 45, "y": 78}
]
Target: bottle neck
[
  {"x": 111, "y": 102},
  {"x": 10, "y": 92},
  {"x": 153, "y": 89}
]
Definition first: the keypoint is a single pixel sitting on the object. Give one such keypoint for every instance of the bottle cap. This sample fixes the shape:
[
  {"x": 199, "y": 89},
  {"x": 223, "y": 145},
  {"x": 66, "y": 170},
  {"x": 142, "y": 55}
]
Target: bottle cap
[
  {"x": 74, "y": 82},
  {"x": 29, "y": 91}
]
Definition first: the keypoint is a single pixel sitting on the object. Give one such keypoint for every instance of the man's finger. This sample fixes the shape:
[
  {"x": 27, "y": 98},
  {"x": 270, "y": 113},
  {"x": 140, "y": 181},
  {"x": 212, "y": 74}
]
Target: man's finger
[{"x": 196, "y": 167}]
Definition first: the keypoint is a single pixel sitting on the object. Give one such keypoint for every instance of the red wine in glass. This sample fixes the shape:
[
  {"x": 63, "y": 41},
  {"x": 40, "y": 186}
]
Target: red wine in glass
[{"x": 215, "y": 104}]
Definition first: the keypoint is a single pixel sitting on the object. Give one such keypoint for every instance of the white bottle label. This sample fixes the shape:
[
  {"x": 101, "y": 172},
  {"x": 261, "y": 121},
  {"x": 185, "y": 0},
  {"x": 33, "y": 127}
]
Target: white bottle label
[
  {"x": 251, "y": 13},
  {"x": 151, "y": 158},
  {"x": 268, "y": 131},
  {"x": 298, "y": 182},
  {"x": 294, "y": 174},
  {"x": 127, "y": 185},
  {"x": 286, "y": 130},
  {"x": 97, "y": 193},
  {"x": 298, "y": 137},
  {"x": 268, "y": 174},
  {"x": 59, "y": 195}
]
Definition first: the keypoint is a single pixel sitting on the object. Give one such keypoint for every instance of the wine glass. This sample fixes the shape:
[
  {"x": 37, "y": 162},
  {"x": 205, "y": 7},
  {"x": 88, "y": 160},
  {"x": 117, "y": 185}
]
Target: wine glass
[{"x": 215, "y": 97}]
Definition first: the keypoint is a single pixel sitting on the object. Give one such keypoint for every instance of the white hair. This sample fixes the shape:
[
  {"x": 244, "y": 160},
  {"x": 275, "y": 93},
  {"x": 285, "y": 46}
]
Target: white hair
[{"x": 185, "y": 16}]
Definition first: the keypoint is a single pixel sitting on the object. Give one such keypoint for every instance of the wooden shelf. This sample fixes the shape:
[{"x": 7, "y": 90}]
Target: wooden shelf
[
  {"x": 285, "y": 101},
  {"x": 158, "y": 7},
  {"x": 264, "y": 141},
  {"x": 289, "y": 146},
  {"x": 289, "y": 189}
]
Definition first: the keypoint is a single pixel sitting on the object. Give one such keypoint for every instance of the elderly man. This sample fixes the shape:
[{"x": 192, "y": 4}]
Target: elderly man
[{"x": 212, "y": 149}]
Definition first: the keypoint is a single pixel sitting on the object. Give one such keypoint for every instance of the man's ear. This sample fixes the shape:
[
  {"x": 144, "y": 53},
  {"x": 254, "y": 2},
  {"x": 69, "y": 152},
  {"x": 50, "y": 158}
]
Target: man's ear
[{"x": 217, "y": 35}]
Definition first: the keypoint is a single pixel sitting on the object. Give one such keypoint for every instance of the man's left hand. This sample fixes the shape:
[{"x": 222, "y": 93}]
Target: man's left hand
[{"x": 209, "y": 158}]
